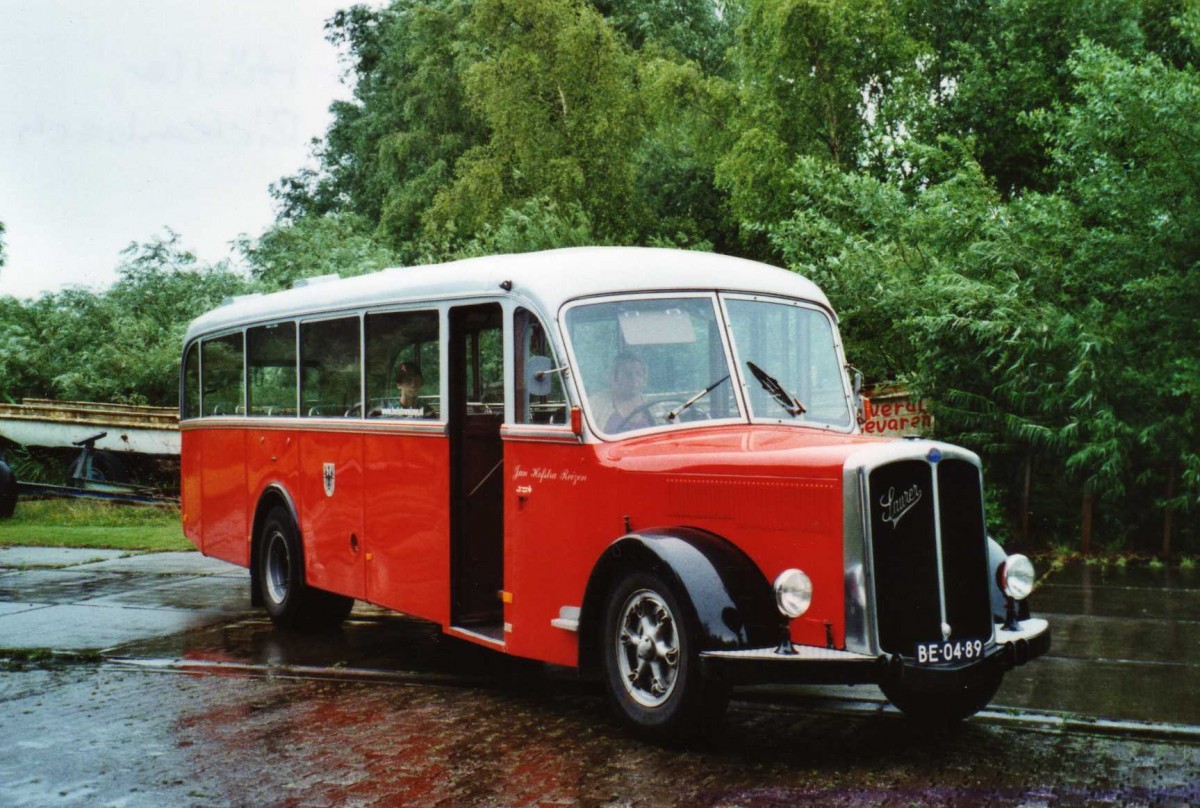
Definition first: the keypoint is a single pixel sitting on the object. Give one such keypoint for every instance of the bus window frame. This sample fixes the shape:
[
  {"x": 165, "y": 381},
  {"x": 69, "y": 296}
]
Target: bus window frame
[
  {"x": 443, "y": 356},
  {"x": 509, "y": 304},
  {"x": 326, "y": 317},
  {"x": 199, "y": 342}
]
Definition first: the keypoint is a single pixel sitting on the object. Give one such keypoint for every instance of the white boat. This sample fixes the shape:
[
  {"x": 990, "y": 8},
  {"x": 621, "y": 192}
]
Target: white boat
[{"x": 62, "y": 424}]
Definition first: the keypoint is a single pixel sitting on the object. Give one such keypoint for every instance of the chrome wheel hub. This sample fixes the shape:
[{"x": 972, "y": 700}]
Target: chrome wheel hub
[
  {"x": 278, "y": 567},
  {"x": 647, "y": 648}
]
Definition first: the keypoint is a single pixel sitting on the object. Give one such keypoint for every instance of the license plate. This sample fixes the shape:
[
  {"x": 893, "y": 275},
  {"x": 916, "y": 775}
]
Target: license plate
[{"x": 939, "y": 653}]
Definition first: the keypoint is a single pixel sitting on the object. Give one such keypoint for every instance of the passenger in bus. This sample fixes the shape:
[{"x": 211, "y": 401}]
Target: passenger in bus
[
  {"x": 408, "y": 384},
  {"x": 408, "y": 387},
  {"x": 621, "y": 407}
]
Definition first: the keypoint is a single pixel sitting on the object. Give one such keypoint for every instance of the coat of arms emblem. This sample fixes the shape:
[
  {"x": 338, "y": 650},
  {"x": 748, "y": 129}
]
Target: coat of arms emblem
[{"x": 329, "y": 479}]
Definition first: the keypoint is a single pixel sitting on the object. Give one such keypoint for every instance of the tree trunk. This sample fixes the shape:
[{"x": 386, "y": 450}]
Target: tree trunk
[
  {"x": 1167, "y": 514},
  {"x": 1025, "y": 501},
  {"x": 1087, "y": 519}
]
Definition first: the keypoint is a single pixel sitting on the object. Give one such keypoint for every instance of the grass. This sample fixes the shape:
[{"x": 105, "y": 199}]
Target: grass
[
  {"x": 1059, "y": 556},
  {"x": 84, "y": 523}
]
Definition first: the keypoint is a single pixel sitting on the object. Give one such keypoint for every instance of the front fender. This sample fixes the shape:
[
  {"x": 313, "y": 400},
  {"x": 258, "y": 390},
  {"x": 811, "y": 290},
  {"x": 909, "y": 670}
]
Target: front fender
[{"x": 730, "y": 599}]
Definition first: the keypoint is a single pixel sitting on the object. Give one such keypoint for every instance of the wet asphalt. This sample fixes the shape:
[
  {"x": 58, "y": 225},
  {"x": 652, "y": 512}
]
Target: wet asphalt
[{"x": 167, "y": 688}]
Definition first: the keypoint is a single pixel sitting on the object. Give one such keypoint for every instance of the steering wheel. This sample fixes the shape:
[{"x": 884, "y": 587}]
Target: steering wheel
[{"x": 659, "y": 410}]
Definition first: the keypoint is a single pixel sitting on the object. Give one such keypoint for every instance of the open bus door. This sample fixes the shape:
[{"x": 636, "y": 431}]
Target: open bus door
[{"x": 476, "y": 475}]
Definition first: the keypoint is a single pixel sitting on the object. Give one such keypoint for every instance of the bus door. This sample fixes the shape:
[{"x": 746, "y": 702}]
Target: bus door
[{"x": 476, "y": 413}]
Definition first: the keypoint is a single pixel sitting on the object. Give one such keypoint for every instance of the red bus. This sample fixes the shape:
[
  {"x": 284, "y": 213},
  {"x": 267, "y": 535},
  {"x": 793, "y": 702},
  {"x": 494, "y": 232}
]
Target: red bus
[{"x": 645, "y": 464}]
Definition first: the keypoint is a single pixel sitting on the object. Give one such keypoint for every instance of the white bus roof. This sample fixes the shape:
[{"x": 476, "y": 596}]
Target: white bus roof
[{"x": 545, "y": 279}]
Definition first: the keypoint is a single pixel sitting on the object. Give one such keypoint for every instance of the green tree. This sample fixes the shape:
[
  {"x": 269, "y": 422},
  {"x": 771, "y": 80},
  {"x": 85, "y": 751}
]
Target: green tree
[
  {"x": 811, "y": 75},
  {"x": 555, "y": 90},
  {"x": 122, "y": 344},
  {"x": 539, "y": 224},
  {"x": 699, "y": 31},
  {"x": 393, "y": 148},
  {"x": 341, "y": 244},
  {"x": 1128, "y": 153},
  {"x": 988, "y": 66}
]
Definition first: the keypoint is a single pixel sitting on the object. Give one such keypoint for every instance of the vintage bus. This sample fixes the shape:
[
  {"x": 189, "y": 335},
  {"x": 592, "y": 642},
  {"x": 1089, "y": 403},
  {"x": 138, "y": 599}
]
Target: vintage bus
[{"x": 641, "y": 463}]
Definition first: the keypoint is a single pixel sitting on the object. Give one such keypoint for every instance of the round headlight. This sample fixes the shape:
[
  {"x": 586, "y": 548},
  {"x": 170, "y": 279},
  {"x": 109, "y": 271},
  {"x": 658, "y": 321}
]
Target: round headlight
[
  {"x": 1016, "y": 577},
  {"x": 793, "y": 593}
]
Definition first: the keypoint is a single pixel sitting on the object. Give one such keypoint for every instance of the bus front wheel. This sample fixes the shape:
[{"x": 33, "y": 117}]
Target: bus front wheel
[
  {"x": 651, "y": 663},
  {"x": 290, "y": 601},
  {"x": 942, "y": 708}
]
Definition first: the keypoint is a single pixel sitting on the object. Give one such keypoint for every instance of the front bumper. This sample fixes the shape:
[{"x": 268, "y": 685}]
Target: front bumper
[{"x": 810, "y": 665}]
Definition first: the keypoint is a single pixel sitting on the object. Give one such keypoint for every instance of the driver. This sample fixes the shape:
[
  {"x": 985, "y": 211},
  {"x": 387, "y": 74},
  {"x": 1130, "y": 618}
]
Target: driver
[{"x": 621, "y": 407}]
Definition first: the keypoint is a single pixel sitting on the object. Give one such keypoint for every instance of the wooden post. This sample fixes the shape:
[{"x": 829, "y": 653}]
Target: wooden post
[{"x": 1087, "y": 518}]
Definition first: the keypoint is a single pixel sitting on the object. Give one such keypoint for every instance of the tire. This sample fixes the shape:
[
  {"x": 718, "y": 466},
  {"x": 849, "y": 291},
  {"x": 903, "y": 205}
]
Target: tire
[
  {"x": 8, "y": 491},
  {"x": 939, "y": 708},
  {"x": 290, "y": 602},
  {"x": 650, "y": 657},
  {"x": 107, "y": 467}
]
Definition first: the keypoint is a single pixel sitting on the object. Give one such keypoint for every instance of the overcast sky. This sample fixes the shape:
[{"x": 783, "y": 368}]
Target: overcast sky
[{"x": 119, "y": 118}]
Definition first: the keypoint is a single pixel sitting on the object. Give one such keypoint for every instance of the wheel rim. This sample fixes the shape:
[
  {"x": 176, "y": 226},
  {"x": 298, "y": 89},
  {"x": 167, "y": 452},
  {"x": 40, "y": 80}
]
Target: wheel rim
[
  {"x": 647, "y": 648},
  {"x": 278, "y": 567}
]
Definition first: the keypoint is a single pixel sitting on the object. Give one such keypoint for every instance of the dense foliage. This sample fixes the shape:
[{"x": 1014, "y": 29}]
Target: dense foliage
[{"x": 999, "y": 197}]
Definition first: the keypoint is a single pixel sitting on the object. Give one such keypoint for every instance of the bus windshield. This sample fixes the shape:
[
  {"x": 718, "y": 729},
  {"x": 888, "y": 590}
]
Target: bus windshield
[
  {"x": 788, "y": 361},
  {"x": 651, "y": 362},
  {"x": 659, "y": 362}
]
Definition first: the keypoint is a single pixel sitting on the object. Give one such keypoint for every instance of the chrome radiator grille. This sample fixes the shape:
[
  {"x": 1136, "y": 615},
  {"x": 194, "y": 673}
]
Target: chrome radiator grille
[{"x": 929, "y": 553}]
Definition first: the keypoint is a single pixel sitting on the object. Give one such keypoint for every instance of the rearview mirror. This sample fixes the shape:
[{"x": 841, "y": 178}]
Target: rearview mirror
[
  {"x": 537, "y": 375},
  {"x": 860, "y": 403}
]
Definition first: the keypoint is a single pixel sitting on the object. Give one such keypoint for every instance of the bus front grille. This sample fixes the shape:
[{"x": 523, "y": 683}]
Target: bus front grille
[{"x": 911, "y": 502}]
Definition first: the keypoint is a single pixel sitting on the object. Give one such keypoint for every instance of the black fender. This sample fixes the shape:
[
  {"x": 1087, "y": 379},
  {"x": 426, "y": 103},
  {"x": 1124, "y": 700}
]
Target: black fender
[
  {"x": 274, "y": 494},
  {"x": 731, "y": 601}
]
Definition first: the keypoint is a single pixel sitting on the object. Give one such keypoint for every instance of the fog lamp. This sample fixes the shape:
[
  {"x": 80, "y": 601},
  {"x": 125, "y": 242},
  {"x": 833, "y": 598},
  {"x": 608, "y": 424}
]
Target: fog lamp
[
  {"x": 1016, "y": 576},
  {"x": 793, "y": 593}
]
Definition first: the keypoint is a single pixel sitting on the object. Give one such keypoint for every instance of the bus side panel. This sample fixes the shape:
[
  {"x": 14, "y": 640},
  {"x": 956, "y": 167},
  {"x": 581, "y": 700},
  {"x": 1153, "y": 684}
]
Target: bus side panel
[
  {"x": 272, "y": 457},
  {"x": 331, "y": 510},
  {"x": 555, "y": 529},
  {"x": 223, "y": 510},
  {"x": 407, "y": 520},
  {"x": 191, "y": 461}
]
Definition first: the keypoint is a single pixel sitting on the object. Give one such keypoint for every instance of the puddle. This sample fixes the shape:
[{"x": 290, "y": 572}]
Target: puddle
[{"x": 370, "y": 641}]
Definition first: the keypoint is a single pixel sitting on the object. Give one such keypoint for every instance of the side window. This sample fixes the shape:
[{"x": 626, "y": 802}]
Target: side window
[
  {"x": 538, "y": 381},
  {"x": 485, "y": 370},
  {"x": 330, "y": 385},
  {"x": 222, "y": 382},
  {"x": 191, "y": 382},
  {"x": 403, "y": 365},
  {"x": 271, "y": 362}
]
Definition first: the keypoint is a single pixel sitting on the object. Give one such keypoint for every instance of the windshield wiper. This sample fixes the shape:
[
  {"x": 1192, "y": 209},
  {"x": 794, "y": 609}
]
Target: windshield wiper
[
  {"x": 673, "y": 414},
  {"x": 786, "y": 400}
]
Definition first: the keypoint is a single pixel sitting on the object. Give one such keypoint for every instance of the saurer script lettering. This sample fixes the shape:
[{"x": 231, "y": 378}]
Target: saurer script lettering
[{"x": 896, "y": 506}]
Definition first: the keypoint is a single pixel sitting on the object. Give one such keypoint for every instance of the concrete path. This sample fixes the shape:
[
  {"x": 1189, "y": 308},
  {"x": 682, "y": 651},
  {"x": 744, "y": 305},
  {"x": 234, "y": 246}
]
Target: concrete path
[{"x": 85, "y": 601}]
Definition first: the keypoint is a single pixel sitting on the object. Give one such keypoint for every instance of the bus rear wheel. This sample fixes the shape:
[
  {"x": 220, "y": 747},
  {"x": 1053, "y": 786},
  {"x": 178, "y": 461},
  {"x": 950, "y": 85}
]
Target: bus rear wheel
[
  {"x": 290, "y": 601},
  {"x": 650, "y": 656}
]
